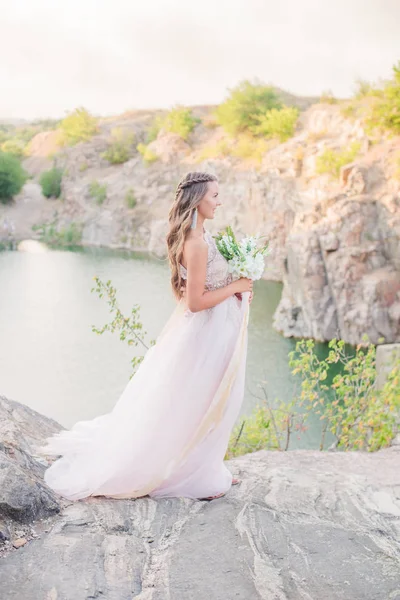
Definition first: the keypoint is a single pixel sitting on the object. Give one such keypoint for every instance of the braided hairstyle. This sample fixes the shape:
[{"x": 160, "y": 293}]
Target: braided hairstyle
[{"x": 189, "y": 193}]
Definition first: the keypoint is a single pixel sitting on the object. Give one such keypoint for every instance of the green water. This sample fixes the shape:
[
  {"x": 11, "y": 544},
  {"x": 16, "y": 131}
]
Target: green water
[{"x": 52, "y": 361}]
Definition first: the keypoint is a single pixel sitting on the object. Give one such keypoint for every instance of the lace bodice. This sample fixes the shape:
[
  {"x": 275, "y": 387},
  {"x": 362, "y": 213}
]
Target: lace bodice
[{"x": 217, "y": 266}]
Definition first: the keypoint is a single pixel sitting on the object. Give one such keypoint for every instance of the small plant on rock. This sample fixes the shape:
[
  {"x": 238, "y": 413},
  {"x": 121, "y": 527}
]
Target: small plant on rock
[
  {"x": 120, "y": 146},
  {"x": 51, "y": 182},
  {"x": 98, "y": 191},
  {"x": 130, "y": 199},
  {"x": 331, "y": 161},
  {"x": 147, "y": 154}
]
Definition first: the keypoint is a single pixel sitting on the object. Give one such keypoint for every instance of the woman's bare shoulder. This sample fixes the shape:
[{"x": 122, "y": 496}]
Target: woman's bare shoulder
[{"x": 193, "y": 247}]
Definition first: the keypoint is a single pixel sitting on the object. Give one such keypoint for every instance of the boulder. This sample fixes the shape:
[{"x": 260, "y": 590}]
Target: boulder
[
  {"x": 23, "y": 495},
  {"x": 301, "y": 524}
]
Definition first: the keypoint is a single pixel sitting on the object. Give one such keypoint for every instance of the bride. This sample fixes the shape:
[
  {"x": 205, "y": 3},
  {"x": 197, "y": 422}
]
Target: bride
[{"x": 168, "y": 433}]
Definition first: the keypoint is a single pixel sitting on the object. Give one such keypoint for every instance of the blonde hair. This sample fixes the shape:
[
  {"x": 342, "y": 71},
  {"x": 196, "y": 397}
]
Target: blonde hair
[{"x": 189, "y": 193}]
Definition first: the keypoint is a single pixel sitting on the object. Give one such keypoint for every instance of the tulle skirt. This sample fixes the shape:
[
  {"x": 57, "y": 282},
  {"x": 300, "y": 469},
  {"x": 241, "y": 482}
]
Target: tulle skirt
[{"x": 168, "y": 432}]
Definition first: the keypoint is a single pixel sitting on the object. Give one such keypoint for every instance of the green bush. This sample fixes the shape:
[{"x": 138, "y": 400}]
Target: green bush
[
  {"x": 148, "y": 155},
  {"x": 51, "y": 182},
  {"x": 331, "y": 161},
  {"x": 246, "y": 103},
  {"x": 14, "y": 147},
  {"x": 267, "y": 428},
  {"x": 179, "y": 120},
  {"x": 12, "y": 177},
  {"x": 279, "y": 123},
  {"x": 385, "y": 108},
  {"x": 120, "y": 147},
  {"x": 351, "y": 408},
  {"x": 360, "y": 416},
  {"x": 98, "y": 191},
  {"x": 130, "y": 199},
  {"x": 79, "y": 126}
]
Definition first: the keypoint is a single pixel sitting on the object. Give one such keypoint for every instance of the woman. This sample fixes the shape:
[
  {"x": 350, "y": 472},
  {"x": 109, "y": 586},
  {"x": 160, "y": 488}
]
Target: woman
[{"x": 168, "y": 433}]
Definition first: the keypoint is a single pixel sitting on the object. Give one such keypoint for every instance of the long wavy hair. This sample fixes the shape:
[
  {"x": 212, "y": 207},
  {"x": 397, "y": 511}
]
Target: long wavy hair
[{"x": 189, "y": 193}]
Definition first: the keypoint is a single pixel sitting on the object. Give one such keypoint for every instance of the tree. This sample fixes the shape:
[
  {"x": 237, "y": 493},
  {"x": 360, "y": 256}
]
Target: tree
[{"x": 79, "y": 126}]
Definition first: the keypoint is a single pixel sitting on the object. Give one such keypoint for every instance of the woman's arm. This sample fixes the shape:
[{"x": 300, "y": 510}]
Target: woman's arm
[{"x": 197, "y": 298}]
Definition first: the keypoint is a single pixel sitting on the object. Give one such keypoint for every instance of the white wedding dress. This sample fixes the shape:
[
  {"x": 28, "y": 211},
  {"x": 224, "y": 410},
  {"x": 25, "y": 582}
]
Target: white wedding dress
[{"x": 168, "y": 432}]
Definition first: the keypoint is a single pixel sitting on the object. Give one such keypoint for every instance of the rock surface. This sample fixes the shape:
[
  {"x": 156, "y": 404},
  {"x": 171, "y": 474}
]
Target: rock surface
[
  {"x": 23, "y": 495},
  {"x": 339, "y": 237},
  {"x": 342, "y": 274},
  {"x": 302, "y": 525}
]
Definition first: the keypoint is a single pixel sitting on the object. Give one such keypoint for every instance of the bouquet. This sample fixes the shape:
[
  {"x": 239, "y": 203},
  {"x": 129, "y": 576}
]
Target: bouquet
[{"x": 245, "y": 258}]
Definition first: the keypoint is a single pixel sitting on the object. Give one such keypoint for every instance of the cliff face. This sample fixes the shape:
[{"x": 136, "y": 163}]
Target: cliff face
[
  {"x": 342, "y": 276},
  {"x": 302, "y": 524},
  {"x": 335, "y": 242}
]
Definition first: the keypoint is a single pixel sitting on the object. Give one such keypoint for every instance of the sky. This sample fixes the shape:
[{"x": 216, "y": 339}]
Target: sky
[{"x": 111, "y": 56}]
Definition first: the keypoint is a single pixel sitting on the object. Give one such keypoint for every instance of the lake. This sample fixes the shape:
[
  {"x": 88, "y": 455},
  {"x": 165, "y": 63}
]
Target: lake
[{"x": 51, "y": 360}]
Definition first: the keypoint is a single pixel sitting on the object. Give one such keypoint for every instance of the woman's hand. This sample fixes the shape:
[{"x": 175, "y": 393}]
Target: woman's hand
[
  {"x": 239, "y": 296},
  {"x": 244, "y": 284}
]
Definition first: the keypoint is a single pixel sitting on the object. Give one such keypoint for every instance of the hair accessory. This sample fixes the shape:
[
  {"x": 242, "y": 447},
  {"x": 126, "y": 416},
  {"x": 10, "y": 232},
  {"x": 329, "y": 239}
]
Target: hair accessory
[{"x": 194, "y": 219}]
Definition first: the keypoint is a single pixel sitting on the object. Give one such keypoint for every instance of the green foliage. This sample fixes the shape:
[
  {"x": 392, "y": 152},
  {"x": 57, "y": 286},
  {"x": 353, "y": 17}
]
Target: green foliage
[
  {"x": 331, "y": 161},
  {"x": 148, "y": 155},
  {"x": 385, "y": 110},
  {"x": 14, "y": 147},
  {"x": 98, "y": 191},
  {"x": 279, "y": 123},
  {"x": 246, "y": 103},
  {"x": 78, "y": 126},
  {"x": 351, "y": 408},
  {"x": 360, "y": 416},
  {"x": 245, "y": 146},
  {"x": 130, "y": 199},
  {"x": 130, "y": 328},
  {"x": 51, "y": 182},
  {"x": 15, "y": 140},
  {"x": 120, "y": 147},
  {"x": 64, "y": 237},
  {"x": 267, "y": 428},
  {"x": 12, "y": 177},
  {"x": 179, "y": 120}
]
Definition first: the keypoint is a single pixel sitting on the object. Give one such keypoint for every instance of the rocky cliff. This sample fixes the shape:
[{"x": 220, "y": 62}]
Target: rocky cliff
[
  {"x": 302, "y": 525},
  {"x": 335, "y": 242}
]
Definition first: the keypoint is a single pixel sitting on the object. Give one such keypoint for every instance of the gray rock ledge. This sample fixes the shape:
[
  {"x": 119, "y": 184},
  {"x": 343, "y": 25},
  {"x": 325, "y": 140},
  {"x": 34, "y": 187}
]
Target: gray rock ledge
[{"x": 302, "y": 525}]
